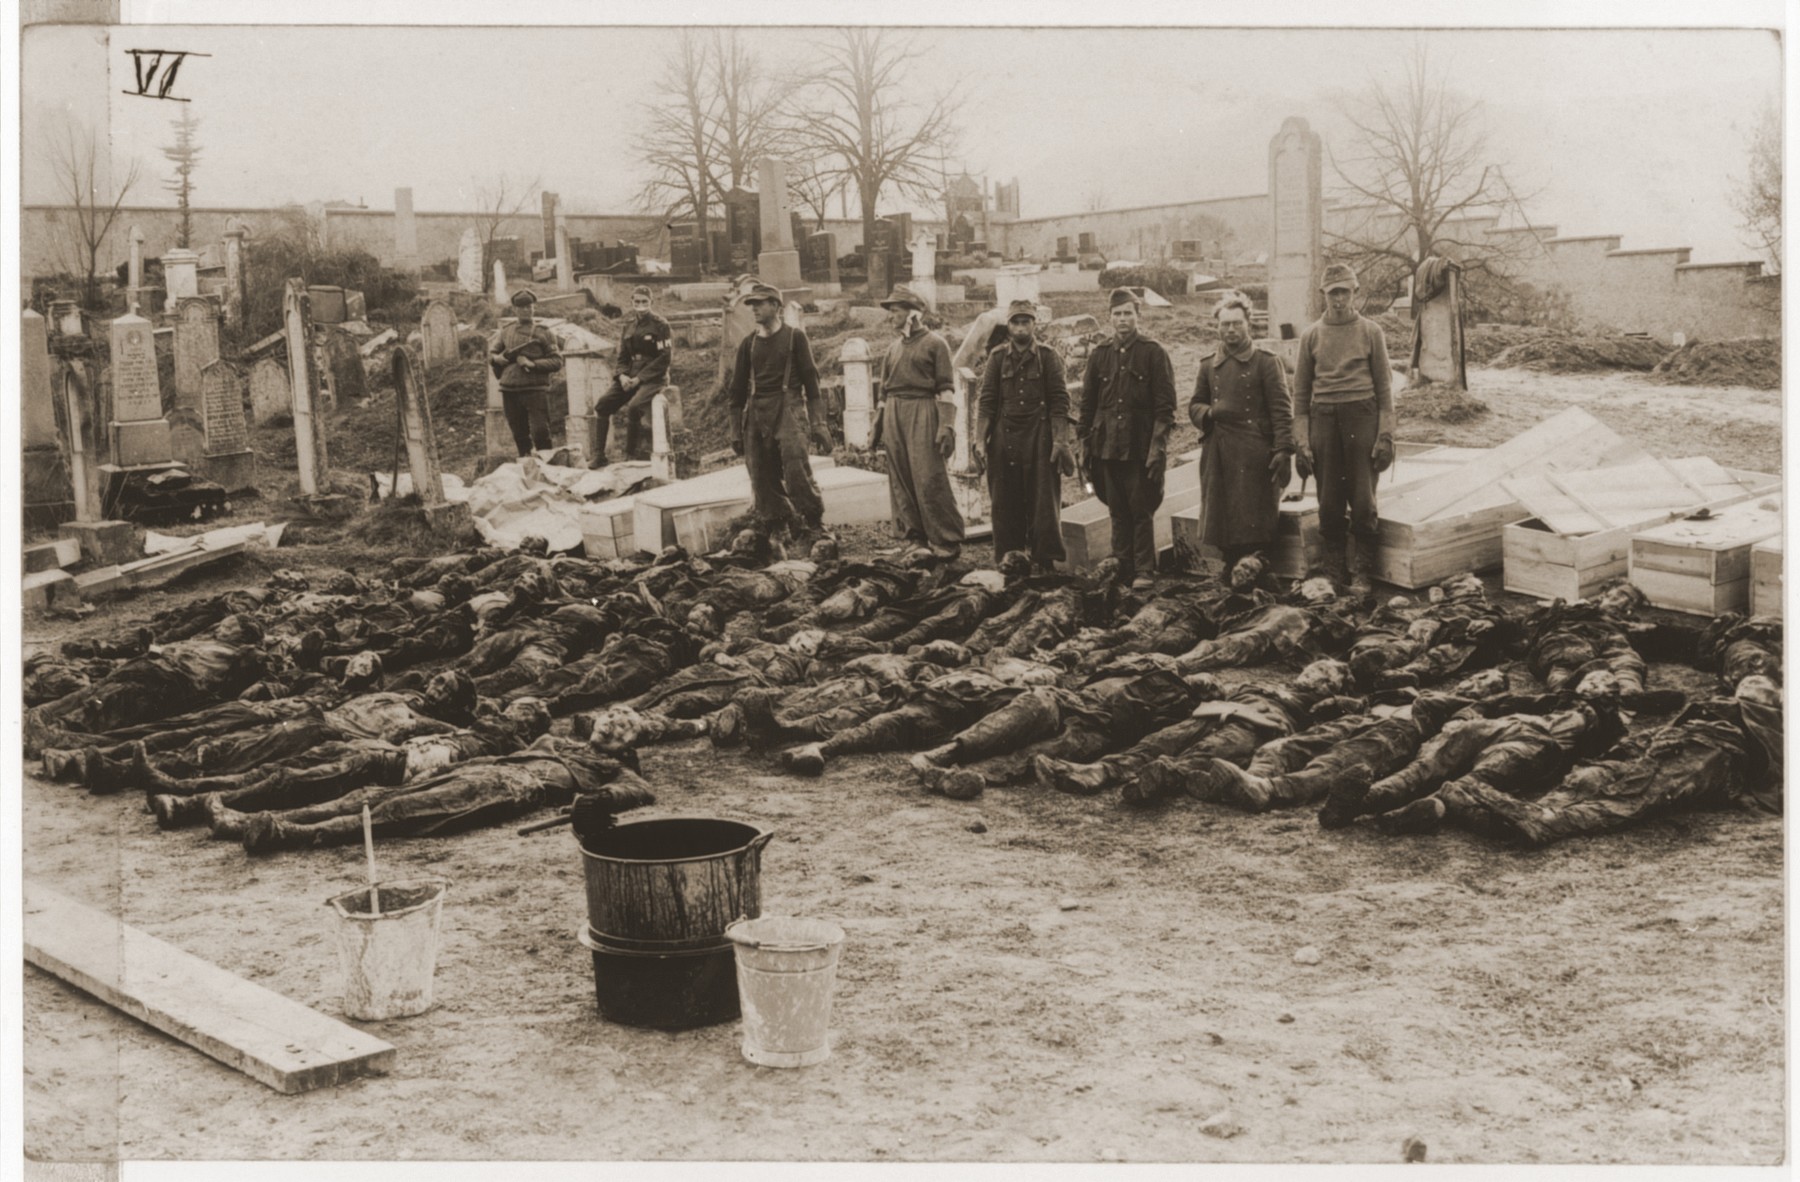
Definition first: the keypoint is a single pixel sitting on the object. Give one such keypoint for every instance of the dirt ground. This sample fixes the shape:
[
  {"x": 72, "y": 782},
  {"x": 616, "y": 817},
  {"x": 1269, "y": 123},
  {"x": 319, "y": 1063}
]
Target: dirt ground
[{"x": 1028, "y": 977}]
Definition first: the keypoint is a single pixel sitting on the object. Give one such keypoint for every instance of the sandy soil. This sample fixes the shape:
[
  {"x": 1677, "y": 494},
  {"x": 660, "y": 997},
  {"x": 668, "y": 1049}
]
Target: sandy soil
[{"x": 1028, "y": 977}]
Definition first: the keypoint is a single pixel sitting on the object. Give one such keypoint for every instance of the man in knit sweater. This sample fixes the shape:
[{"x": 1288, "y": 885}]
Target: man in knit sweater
[{"x": 1344, "y": 425}]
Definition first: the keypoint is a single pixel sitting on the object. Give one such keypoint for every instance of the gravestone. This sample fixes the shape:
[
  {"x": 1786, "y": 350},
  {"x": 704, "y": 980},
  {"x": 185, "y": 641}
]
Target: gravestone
[
  {"x": 859, "y": 398},
  {"x": 181, "y": 277},
  {"x": 743, "y": 232},
  {"x": 1016, "y": 281},
  {"x": 1437, "y": 355},
  {"x": 271, "y": 395},
  {"x": 48, "y": 493},
  {"x": 498, "y": 445},
  {"x": 1296, "y": 256},
  {"x": 138, "y": 431},
  {"x": 587, "y": 376},
  {"x": 235, "y": 275},
  {"x": 468, "y": 262},
  {"x": 196, "y": 347},
  {"x": 421, "y": 446},
  {"x": 437, "y": 335},
  {"x": 227, "y": 460},
  {"x": 134, "y": 273},
  {"x": 343, "y": 361},
  {"x": 501, "y": 295},
  {"x": 779, "y": 263},
  {"x": 547, "y": 202},
  {"x": 819, "y": 259},
  {"x": 924, "y": 268},
  {"x": 303, "y": 380},
  {"x": 406, "y": 232}
]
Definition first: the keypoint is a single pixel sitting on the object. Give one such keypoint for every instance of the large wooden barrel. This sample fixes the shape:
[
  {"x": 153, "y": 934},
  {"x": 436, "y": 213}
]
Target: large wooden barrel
[{"x": 673, "y": 883}]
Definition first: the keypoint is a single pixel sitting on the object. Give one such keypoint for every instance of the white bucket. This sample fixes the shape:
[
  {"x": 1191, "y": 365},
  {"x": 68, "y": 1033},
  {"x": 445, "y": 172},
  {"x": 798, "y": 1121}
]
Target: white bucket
[
  {"x": 389, "y": 960},
  {"x": 786, "y": 968}
]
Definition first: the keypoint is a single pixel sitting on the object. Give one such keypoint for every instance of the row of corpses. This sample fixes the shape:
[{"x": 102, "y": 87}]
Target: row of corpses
[{"x": 275, "y": 714}]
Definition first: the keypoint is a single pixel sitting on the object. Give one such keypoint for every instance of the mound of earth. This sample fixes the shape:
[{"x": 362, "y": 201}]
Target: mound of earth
[
  {"x": 1483, "y": 342},
  {"x": 1441, "y": 404},
  {"x": 1581, "y": 354},
  {"x": 1746, "y": 361}
]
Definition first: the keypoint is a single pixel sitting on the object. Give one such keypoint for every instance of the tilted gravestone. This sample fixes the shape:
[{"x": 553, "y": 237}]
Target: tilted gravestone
[{"x": 349, "y": 381}]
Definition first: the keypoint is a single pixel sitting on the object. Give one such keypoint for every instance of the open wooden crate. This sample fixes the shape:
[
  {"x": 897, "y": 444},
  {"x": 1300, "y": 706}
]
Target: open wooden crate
[{"x": 1703, "y": 566}]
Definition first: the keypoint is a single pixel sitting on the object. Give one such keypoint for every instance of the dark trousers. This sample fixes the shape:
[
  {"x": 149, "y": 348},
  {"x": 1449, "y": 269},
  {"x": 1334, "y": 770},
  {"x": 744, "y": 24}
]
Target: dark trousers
[
  {"x": 1342, "y": 436},
  {"x": 1025, "y": 491},
  {"x": 781, "y": 480},
  {"x": 632, "y": 402},
  {"x": 1131, "y": 499},
  {"x": 528, "y": 417}
]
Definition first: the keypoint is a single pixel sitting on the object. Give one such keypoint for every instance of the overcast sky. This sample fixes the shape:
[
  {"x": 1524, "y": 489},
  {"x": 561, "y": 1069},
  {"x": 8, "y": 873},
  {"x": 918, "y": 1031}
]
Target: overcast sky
[{"x": 1639, "y": 133}]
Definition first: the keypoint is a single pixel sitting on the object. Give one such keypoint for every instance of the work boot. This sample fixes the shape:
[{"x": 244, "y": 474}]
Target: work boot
[
  {"x": 937, "y": 757},
  {"x": 1227, "y": 783},
  {"x": 226, "y": 823},
  {"x": 172, "y": 812},
  {"x": 757, "y": 708},
  {"x": 1421, "y": 816},
  {"x": 64, "y": 764},
  {"x": 1156, "y": 780},
  {"x": 1077, "y": 779},
  {"x": 1331, "y": 563},
  {"x": 948, "y": 553},
  {"x": 805, "y": 761},
  {"x": 726, "y": 726},
  {"x": 105, "y": 776},
  {"x": 1342, "y": 807}
]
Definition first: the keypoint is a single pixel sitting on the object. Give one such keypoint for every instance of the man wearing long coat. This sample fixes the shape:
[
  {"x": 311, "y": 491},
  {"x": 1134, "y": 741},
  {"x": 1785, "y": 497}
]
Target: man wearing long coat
[
  {"x": 1246, "y": 426},
  {"x": 1023, "y": 435}
]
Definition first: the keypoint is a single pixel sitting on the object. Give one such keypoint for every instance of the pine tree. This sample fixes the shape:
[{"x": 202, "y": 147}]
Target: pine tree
[{"x": 185, "y": 154}]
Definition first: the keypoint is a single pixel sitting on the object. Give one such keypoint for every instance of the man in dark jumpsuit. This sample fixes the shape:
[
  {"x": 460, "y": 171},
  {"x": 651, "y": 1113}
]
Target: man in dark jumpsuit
[
  {"x": 1127, "y": 414},
  {"x": 1023, "y": 435},
  {"x": 773, "y": 365},
  {"x": 640, "y": 370},
  {"x": 1246, "y": 426},
  {"x": 918, "y": 429},
  {"x": 523, "y": 356}
]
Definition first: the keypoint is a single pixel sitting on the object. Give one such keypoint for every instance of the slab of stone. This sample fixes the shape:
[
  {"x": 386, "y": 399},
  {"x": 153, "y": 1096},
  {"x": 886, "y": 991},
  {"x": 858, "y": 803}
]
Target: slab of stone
[
  {"x": 48, "y": 588},
  {"x": 108, "y": 542},
  {"x": 51, "y": 555}
]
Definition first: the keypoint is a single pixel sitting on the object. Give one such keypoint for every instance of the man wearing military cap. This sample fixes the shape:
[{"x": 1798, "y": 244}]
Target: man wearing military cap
[
  {"x": 918, "y": 429},
  {"x": 1023, "y": 435},
  {"x": 774, "y": 364},
  {"x": 523, "y": 356},
  {"x": 641, "y": 369},
  {"x": 1127, "y": 414},
  {"x": 1344, "y": 425},
  {"x": 1246, "y": 426}
]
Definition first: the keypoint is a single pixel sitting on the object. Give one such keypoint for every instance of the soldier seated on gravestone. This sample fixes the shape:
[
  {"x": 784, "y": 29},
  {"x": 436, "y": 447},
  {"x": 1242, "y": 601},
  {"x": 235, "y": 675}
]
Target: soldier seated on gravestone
[
  {"x": 642, "y": 368},
  {"x": 523, "y": 357}
]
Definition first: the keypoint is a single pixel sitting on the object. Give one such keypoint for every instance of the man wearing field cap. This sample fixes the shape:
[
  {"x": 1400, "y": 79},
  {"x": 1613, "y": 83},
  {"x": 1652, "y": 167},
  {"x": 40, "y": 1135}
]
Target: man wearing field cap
[
  {"x": 918, "y": 429},
  {"x": 1127, "y": 413},
  {"x": 523, "y": 357},
  {"x": 641, "y": 369},
  {"x": 1246, "y": 423},
  {"x": 773, "y": 368},
  {"x": 1023, "y": 436},
  {"x": 1344, "y": 426}
]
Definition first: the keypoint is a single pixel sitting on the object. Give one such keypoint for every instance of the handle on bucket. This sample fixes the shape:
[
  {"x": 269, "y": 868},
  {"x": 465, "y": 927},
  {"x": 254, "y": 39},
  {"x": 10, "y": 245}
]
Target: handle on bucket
[{"x": 759, "y": 841}]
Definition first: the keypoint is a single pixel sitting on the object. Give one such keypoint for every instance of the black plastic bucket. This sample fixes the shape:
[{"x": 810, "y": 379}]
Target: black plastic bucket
[{"x": 663, "y": 990}]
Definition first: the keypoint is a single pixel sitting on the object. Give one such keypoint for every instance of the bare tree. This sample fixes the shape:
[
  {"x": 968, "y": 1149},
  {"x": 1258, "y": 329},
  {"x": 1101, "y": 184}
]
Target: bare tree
[
  {"x": 496, "y": 202},
  {"x": 676, "y": 138},
  {"x": 185, "y": 155},
  {"x": 1419, "y": 175},
  {"x": 1757, "y": 197},
  {"x": 75, "y": 159},
  {"x": 858, "y": 121},
  {"x": 813, "y": 185},
  {"x": 753, "y": 119}
]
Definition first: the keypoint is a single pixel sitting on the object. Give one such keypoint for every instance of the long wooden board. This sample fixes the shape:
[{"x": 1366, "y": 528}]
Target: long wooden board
[
  {"x": 1644, "y": 491},
  {"x": 273, "y": 1039}
]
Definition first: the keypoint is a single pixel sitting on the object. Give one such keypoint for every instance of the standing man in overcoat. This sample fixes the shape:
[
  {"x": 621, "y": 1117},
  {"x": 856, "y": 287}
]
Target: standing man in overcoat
[
  {"x": 1246, "y": 426},
  {"x": 1127, "y": 414},
  {"x": 1023, "y": 435}
]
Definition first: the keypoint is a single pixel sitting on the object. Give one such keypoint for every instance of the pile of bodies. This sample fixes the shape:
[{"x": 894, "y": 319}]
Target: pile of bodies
[{"x": 436, "y": 695}]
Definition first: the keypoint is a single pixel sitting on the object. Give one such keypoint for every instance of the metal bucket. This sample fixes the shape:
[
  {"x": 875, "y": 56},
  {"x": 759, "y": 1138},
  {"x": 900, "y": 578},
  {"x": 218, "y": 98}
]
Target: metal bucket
[{"x": 674, "y": 883}]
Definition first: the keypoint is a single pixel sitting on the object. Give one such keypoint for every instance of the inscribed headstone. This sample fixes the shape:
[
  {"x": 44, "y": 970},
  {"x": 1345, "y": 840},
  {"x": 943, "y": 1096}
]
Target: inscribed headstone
[
  {"x": 310, "y": 440},
  {"x": 501, "y": 295},
  {"x": 222, "y": 409},
  {"x": 137, "y": 397},
  {"x": 181, "y": 277},
  {"x": 196, "y": 346},
  {"x": 349, "y": 382},
  {"x": 819, "y": 259},
  {"x": 437, "y": 332},
  {"x": 1296, "y": 254},
  {"x": 270, "y": 393}
]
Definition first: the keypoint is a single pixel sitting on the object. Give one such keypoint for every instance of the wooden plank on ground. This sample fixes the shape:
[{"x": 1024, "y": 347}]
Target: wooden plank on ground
[
  {"x": 273, "y": 1039},
  {"x": 1571, "y": 441}
]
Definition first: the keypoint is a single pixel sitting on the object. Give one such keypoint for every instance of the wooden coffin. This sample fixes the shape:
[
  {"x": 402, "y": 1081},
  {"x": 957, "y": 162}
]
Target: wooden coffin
[{"x": 1703, "y": 566}]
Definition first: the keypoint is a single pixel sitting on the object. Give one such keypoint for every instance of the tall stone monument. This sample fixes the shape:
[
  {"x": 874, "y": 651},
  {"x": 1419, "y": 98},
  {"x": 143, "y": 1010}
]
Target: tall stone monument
[
  {"x": 406, "y": 232},
  {"x": 134, "y": 273},
  {"x": 1296, "y": 251},
  {"x": 548, "y": 203},
  {"x": 437, "y": 335},
  {"x": 236, "y": 281},
  {"x": 565, "y": 259},
  {"x": 227, "y": 459},
  {"x": 779, "y": 263},
  {"x": 468, "y": 262},
  {"x": 421, "y": 445},
  {"x": 303, "y": 379},
  {"x": 196, "y": 346},
  {"x": 501, "y": 295},
  {"x": 859, "y": 394},
  {"x": 924, "y": 267},
  {"x": 181, "y": 277}
]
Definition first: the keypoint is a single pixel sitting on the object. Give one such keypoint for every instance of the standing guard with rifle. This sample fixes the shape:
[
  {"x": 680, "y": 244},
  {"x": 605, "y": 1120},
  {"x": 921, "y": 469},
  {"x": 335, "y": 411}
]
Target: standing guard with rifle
[
  {"x": 523, "y": 356},
  {"x": 1024, "y": 437},
  {"x": 766, "y": 430}
]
